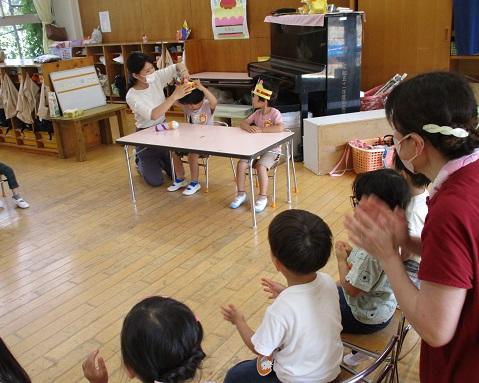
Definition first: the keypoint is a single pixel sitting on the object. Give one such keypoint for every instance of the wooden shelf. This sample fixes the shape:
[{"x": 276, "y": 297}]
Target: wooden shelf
[{"x": 465, "y": 57}]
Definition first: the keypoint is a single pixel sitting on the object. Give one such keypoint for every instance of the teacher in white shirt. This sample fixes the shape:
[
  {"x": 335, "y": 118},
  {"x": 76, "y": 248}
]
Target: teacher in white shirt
[{"x": 146, "y": 98}]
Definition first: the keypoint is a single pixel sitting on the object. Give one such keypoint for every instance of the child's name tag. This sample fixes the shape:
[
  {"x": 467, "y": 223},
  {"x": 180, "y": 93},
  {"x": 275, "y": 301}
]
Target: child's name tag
[{"x": 264, "y": 365}]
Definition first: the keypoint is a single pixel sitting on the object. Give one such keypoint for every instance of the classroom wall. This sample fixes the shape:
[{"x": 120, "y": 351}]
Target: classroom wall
[
  {"x": 67, "y": 14},
  {"x": 159, "y": 20}
]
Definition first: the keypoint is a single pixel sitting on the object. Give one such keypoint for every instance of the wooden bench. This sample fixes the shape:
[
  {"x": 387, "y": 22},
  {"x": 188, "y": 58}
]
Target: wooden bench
[{"x": 64, "y": 127}]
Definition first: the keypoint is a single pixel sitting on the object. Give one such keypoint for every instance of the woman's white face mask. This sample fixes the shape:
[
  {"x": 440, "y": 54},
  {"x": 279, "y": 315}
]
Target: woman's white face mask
[
  {"x": 407, "y": 163},
  {"x": 150, "y": 78}
]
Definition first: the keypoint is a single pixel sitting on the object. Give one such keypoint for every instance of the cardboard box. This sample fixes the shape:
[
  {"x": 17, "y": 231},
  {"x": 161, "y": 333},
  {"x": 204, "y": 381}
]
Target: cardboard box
[
  {"x": 325, "y": 138},
  {"x": 64, "y": 53}
]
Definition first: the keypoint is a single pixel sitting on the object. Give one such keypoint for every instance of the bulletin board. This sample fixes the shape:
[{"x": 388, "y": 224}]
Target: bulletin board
[{"x": 78, "y": 88}]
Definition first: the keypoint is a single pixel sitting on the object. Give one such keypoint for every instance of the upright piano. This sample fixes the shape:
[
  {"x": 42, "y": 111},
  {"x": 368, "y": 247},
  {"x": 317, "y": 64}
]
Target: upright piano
[{"x": 317, "y": 68}]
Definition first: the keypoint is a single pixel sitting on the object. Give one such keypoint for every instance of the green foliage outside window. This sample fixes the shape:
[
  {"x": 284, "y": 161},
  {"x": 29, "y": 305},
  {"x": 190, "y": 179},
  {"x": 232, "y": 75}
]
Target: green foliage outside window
[{"x": 21, "y": 41}]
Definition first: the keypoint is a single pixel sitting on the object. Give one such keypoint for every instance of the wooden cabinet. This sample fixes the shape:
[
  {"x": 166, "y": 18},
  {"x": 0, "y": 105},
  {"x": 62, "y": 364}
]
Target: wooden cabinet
[
  {"x": 404, "y": 36},
  {"x": 106, "y": 58}
]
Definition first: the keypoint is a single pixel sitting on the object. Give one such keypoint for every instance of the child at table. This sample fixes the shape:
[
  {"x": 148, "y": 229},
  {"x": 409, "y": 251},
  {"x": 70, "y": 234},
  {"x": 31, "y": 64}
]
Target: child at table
[
  {"x": 198, "y": 107},
  {"x": 265, "y": 119}
]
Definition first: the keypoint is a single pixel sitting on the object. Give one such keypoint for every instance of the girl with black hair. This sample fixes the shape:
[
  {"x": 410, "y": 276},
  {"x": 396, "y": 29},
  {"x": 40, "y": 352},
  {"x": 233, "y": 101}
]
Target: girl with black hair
[
  {"x": 434, "y": 117},
  {"x": 160, "y": 343},
  {"x": 10, "y": 369},
  {"x": 146, "y": 98}
]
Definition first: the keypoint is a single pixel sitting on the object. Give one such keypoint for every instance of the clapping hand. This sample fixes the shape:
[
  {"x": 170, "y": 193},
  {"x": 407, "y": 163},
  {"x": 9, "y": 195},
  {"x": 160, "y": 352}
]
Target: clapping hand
[
  {"x": 271, "y": 287},
  {"x": 232, "y": 314},
  {"x": 94, "y": 368},
  {"x": 342, "y": 250}
]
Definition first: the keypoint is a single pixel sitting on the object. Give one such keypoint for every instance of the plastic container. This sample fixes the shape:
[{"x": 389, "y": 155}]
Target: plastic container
[{"x": 366, "y": 159}]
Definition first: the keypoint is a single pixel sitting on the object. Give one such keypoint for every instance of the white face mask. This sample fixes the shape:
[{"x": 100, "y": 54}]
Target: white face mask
[
  {"x": 150, "y": 78},
  {"x": 407, "y": 163}
]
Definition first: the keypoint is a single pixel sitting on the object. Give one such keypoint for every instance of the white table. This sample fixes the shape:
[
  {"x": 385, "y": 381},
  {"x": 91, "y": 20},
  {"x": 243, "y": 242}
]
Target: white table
[{"x": 219, "y": 141}]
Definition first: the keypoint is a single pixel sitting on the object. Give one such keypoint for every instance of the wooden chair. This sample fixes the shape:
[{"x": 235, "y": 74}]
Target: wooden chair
[{"x": 374, "y": 344}]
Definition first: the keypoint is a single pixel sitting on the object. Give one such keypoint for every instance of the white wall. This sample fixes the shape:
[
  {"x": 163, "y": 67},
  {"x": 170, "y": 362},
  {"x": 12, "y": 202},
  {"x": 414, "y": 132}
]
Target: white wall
[{"x": 67, "y": 14}]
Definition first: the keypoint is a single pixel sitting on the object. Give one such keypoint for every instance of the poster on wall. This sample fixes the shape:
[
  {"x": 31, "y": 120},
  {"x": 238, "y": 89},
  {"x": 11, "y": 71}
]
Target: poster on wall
[{"x": 229, "y": 19}]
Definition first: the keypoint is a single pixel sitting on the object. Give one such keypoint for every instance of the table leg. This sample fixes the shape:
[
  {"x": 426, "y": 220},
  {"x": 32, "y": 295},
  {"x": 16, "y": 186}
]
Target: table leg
[
  {"x": 58, "y": 139},
  {"x": 80, "y": 141},
  {"x": 128, "y": 167},
  {"x": 251, "y": 185},
  {"x": 288, "y": 175},
  {"x": 295, "y": 180},
  {"x": 119, "y": 116},
  {"x": 173, "y": 175}
]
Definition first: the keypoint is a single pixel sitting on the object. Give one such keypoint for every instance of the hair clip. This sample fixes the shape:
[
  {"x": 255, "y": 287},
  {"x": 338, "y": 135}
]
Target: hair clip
[
  {"x": 261, "y": 91},
  {"x": 446, "y": 130}
]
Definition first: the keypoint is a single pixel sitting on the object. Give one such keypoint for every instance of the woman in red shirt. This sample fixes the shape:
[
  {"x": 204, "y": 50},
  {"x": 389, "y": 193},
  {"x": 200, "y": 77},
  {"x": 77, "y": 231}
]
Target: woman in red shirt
[{"x": 434, "y": 117}]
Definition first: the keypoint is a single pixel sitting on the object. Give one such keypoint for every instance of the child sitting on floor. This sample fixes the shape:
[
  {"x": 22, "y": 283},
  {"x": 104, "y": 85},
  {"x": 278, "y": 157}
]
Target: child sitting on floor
[
  {"x": 160, "y": 342},
  {"x": 264, "y": 120},
  {"x": 416, "y": 212},
  {"x": 301, "y": 329},
  {"x": 366, "y": 298},
  {"x": 9, "y": 174},
  {"x": 198, "y": 107}
]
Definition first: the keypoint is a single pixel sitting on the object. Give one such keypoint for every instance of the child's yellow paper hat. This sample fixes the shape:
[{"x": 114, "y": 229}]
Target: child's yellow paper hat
[{"x": 261, "y": 91}]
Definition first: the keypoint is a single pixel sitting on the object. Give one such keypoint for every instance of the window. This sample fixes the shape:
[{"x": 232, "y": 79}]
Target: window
[{"x": 20, "y": 29}]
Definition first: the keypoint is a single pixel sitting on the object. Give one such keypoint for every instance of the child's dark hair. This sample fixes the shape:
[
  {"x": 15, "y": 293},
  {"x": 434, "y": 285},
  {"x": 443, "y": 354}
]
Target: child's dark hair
[
  {"x": 135, "y": 63},
  {"x": 300, "y": 240},
  {"x": 386, "y": 184},
  {"x": 417, "y": 179},
  {"x": 440, "y": 98},
  {"x": 195, "y": 97},
  {"x": 270, "y": 85},
  {"x": 161, "y": 341},
  {"x": 10, "y": 369}
]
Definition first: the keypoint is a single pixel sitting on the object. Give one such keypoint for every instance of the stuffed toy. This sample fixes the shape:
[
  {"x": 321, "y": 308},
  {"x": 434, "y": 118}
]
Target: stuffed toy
[{"x": 313, "y": 6}]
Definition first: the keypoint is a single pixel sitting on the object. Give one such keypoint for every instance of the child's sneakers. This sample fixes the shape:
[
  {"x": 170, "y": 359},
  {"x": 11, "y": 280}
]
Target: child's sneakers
[
  {"x": 192, "y": 188},
  {"x": 21, "y": 203},
  {"x": 178, "y": 184},
  {"x": 260, "y": 204},
  {"x": 238, "y": 201},
  {"x": 353, "y": 360}
]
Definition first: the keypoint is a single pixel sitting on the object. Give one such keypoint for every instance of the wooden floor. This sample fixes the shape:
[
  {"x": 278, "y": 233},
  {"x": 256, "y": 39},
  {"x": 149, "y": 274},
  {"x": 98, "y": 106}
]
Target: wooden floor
[{"x": 75, "y": 262}]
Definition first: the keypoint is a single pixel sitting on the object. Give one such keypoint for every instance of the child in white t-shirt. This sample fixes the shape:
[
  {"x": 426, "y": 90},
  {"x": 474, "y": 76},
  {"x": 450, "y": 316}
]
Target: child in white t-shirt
[
  {"x": 198, "y": 107},
  {"x": 301, "y": 329},
  {"x": 416, "y": 212},
  {"x": 264, "y": 120}
]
